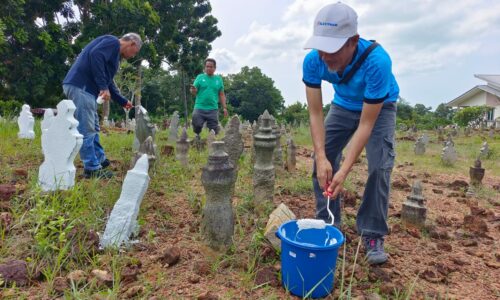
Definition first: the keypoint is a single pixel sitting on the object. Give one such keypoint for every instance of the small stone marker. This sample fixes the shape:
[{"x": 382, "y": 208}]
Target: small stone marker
[
  {"x": 264, "y": 174},
  {"x": 476, "y": 173},
  {"x": 182, "y": 148},
  {"x": 414, "y": 210},
  {"x": 105, "y": 122},
  {"x": 449, "y": 155},
  {"x": 144, "y": 129},
  {"x": 122, "y": 222},
  {"x": 233, "y": 142},
  {"x": 291, "y": 155},
  {"x": 173, "y": 128},
  {"x": 218, "y": 178},
  {"x": 148, "y": 148},
  {"x": 425, "y": 139},
  {"x": 440, "y": 133},
  {"x": 279, "y": 216},
  {"x": 26, "y": 123},
  {"x": 467, "y": 131},
  {"x": 60, "y": 145},
  {"x": 419, "y": 147}
]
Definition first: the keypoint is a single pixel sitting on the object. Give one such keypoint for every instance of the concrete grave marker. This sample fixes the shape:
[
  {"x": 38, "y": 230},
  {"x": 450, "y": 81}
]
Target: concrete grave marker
[
  {"x": 419, "y": 147},
  {"x": 279, "y": 216},
  {"x": 182, "y": 148},
  {"x": 414, "y": 210},
  {"x": 449, "y": 154},
  {"x": 233, "y": 142},
  {"x": 60, "y": 145},
  {"x": 484, "y": 152},
  {"x": 122, "y": 222},
  {"x": 264, "y": 174},
  {"x": 26, "y": 123},
  {"x": 218, "y": 178},
  {"x": 173, "y": 128},
  {"x": 291, "y": 155}
]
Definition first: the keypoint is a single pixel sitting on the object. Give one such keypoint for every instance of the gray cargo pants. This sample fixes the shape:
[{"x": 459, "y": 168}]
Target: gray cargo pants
[
  {"x": 201, "y": 116},
  {"x": 340, "y": 125}
]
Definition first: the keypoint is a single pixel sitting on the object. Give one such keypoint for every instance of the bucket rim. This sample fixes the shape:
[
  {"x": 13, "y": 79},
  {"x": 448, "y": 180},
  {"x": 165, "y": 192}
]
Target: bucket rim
[{"x": 315, "y": 248}]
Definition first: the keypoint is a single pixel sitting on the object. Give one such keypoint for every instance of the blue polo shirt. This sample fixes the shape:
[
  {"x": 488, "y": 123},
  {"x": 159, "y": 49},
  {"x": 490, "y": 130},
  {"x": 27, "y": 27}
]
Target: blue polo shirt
[
  {"x": 95, "y": 67},
  {"x": 372, "y": 83}
]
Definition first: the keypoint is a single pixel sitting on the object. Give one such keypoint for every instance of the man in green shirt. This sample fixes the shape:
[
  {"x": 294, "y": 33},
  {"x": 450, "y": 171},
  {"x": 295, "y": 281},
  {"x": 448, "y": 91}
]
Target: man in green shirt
[{"x": 209, "y": 91}]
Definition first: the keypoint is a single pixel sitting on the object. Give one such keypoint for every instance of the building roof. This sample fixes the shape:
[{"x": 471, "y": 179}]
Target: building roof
[
  {"x": 492, "y": 87},
  {"x": 491, "y": 80}
]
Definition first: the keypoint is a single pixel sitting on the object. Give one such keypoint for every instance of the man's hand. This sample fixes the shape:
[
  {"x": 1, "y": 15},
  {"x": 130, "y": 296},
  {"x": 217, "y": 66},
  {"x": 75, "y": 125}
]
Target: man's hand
[
  {"x": 104, "y": 94},
  {"x": 225, "y": 112},
  {"x": 193, "y": 90},
  {"x": 336, "y": 185},
  {"x": 128, "y": 105},
  {"x": 324, "y": 171}
]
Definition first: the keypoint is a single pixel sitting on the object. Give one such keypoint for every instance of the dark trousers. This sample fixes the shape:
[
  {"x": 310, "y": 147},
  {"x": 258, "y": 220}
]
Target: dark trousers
[
  {"x": 340, "y": 125},
  {"x": 201, "y": 116}
]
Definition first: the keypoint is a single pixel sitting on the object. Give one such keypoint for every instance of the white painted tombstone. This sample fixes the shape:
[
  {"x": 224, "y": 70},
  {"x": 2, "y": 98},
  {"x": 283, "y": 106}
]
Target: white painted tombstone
[
  {"x": 112, "y": 124},
  {"x": 105, "y": 122},
  {"x": 60, "y": 144},
  {"x": 26, "y": 123},
  {"x": 122, "y": 222}
]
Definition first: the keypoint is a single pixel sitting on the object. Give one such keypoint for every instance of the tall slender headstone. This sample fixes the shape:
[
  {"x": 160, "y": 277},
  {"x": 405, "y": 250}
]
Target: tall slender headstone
[
  {"x": 291, "y": 155},
  {"x": 26, "y": 123},
  {"x": 278, "y": 151},
  {"x": 414, "y": 210},
  {"x": 60, "y": 145},
  {"x": 122, "y": 222},
  {"x": 210, "y": 139},
  {"x": 173, "y": 128},
  {"x": 218, "y": 178},
  {"x": 233, "y": 142},
  {"x": 182, "y": 148},
  {"x": 144, "y": 129},
  {"x": 264, "y": 174}
]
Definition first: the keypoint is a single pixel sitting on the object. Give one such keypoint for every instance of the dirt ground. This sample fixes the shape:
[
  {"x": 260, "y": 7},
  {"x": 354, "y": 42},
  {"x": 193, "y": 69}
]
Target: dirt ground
[{"x": 456, "y": 256}]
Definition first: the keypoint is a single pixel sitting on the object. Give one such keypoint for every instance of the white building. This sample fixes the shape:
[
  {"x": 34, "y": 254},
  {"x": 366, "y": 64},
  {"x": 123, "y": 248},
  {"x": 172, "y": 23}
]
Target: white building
[{"x": 487, "y": 94}]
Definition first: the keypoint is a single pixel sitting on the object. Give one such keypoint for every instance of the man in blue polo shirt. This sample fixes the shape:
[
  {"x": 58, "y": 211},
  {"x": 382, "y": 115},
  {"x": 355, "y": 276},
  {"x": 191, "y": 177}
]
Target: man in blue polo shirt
[
  {"x": 363, "y": 114},
  {"x": 90, "y": 77}
]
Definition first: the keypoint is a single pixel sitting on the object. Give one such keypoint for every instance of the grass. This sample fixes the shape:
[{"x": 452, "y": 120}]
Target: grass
[{"x": 50, "y": 229}]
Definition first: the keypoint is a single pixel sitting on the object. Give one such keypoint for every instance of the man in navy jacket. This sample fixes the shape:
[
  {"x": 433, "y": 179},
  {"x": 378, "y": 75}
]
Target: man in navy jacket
[{"x": 91, "y": 76}]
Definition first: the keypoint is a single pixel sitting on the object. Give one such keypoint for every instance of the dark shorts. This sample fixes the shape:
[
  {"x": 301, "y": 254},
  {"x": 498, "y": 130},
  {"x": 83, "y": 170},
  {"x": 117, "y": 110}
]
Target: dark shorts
[{"x": 201, "y": 116}]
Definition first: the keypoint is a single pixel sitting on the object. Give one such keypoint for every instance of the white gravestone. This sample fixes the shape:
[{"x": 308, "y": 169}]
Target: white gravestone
[
  {"x": 122, "y": 222},
  {"x": 26, "y": 123},
  {"x": 60, "y": 145}
]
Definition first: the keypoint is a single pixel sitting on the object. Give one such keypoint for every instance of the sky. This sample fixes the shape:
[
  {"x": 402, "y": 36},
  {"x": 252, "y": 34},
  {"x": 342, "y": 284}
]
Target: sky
[{"x": 436, "y": 46}]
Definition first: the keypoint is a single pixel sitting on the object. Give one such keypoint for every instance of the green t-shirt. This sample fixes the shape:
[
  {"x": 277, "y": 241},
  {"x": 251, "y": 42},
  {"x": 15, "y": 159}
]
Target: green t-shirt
[{"x": 208, "y": 88}]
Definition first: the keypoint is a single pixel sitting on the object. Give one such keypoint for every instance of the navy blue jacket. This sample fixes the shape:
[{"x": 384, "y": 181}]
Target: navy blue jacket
[{"x": 96, "y": 66}]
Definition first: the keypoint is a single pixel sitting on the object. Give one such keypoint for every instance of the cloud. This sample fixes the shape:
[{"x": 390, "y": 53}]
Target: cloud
[{"x": 227, "y": 61}]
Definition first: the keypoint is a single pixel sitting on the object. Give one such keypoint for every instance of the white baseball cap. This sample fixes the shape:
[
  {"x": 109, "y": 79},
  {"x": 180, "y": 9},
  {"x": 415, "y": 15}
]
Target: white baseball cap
[{"x": 333, "y": 26}]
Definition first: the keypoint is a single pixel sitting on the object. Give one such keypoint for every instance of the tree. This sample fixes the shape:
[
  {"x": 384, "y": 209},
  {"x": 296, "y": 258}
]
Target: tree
[
  {"x": 421, "y": 110},
  {"x": 295, "y": 113},
  {"x": 444, "y": 112},
  {"x": 469, "y": 115},
  {"x": 250, "y": 93}
]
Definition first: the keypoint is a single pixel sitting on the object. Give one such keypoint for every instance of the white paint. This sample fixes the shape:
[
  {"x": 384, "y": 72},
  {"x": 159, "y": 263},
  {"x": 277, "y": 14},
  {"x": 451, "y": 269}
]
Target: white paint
[{"x": 60, "y": 144}]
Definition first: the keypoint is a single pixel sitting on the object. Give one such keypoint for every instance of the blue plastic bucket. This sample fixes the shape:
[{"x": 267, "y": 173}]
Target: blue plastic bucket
[{"x": 308, "y": 259}]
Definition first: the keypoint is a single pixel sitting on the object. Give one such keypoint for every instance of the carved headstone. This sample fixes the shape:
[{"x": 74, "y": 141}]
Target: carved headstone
[
  {"x": 291, "y": 155},
  {"x": 440, "y": 133},
  {"x": 26, "y": 123},
  {"x": 419, "y": 147},
  {"x": 484, "y": 152},
  {"x": 105, "y": 122},
  {"x": 218, "y": 178},
  {"x": 60, "y": 145},
  {"x": 425, "y": 139},
  {"x": 414, "y": 210},
  {"x": 264, "y": 174},
  {"x": 467, "y": 131},
  {"x": 182, "y": 148},
  {"x": 122, "y": 222},
  {"x": 449, "y": 154},
  {"x": 232, "y": 140},
  {"x": 148, "y": 148},
  {"x": 476, "y": 173},
  {"x": 173, "y": 128},
  {"x": 144, "y": 129},
  {"x": 112, "y": 124}
]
